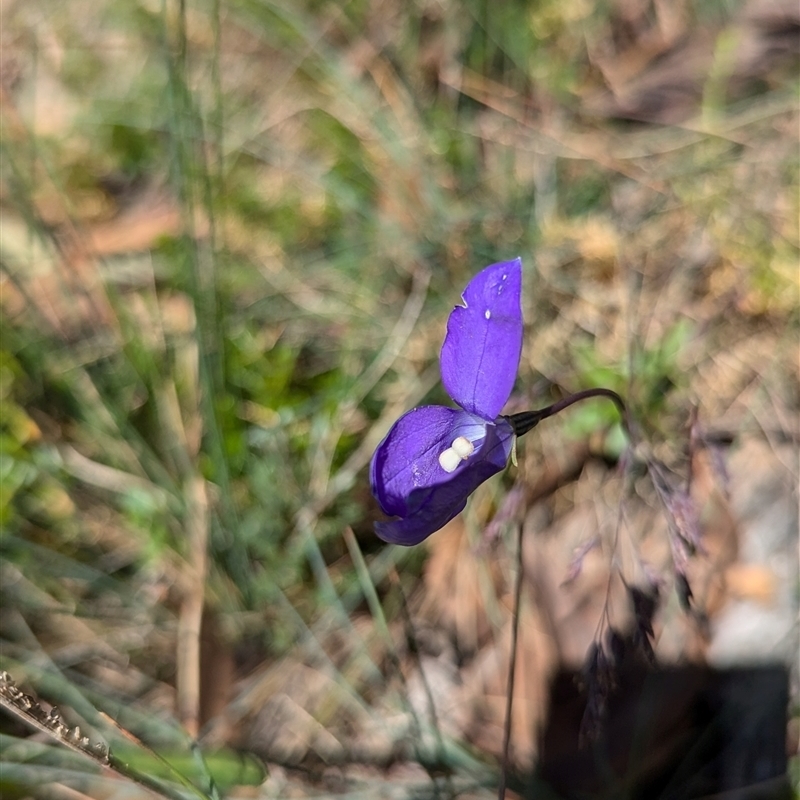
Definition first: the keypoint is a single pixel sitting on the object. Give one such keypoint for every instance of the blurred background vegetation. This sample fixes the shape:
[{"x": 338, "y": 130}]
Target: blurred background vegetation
[{"x": 231, "y": 233}]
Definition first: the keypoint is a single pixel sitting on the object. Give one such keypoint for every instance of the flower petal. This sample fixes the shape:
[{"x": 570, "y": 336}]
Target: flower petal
[
  {"x": 414, "y": 529},
  {"x": 429, "y": 507},
  {"x": 408, "y": 457},
  {"x": 480, "y": 354}
]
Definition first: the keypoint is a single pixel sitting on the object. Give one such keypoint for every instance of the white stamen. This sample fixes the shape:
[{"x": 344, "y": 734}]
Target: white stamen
[
  {"x": 449, "y": 460},
  {"x": 463, "y": 447},
  {"x": 487, "y": 314}
]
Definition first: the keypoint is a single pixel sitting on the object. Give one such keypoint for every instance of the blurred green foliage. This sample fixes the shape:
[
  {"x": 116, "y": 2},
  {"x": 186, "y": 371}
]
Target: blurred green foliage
[
  {"x": 308, "y": 197},
  {"x": 646, "y": 378}
]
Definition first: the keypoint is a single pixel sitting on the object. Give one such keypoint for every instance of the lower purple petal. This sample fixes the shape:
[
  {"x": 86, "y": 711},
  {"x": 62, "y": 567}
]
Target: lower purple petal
[
  {"x": 428, "y": 508},
  {"x": 408, "y": 457},
  {"x": 412, "y": 530}
]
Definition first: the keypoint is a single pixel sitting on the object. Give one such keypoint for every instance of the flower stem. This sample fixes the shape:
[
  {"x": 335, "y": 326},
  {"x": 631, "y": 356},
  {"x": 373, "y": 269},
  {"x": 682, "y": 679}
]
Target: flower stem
[
  {"x": 501, "y": 791},
  {"x": 528, "y": 420}
]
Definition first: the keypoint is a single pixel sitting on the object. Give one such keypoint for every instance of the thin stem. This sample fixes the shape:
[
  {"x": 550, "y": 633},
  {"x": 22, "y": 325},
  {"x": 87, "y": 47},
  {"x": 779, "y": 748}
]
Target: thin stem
[
  {"x": 527, "y": 420},
  {"x": 522, "y": 423},
  {"x": 501, "y": 792}
]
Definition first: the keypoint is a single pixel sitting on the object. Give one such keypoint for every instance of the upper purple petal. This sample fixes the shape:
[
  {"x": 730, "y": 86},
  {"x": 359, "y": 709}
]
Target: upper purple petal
[
  {"x": 433, "y": 501},
  {"x": 480, "y": 354}
]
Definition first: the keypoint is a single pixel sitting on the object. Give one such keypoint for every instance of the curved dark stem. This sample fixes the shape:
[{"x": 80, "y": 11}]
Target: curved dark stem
[{"x": 528, "y": 420}]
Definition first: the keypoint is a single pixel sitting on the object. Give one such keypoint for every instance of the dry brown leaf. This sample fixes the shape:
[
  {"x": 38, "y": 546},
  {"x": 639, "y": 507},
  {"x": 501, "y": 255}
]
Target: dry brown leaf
[
  {"x": 485, "y": 689},
  {"x": 455, "y": 582},
  {"x": 751, "y": 582},
  {"x": 154, "y": 215}
]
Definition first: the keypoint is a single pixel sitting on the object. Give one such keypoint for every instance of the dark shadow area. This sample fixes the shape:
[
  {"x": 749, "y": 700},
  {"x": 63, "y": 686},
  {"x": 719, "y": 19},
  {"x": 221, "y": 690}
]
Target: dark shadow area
[{"x": 678, "y": 733}]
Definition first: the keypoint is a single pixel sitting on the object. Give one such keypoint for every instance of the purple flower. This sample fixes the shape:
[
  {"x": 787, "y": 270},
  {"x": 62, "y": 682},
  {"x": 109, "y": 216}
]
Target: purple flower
[{"x": 434, "y": 457}]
